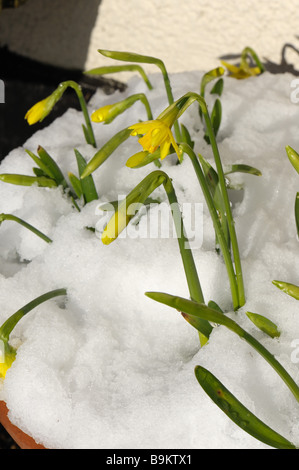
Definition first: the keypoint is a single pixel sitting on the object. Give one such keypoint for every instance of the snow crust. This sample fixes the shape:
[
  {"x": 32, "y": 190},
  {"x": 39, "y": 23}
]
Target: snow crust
[{"x": 110, "y": 368}]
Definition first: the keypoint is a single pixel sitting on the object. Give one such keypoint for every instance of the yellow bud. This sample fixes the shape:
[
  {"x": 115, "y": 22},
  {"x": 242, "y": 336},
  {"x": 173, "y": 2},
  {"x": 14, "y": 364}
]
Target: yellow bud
[
  {"x": 6, "y": 360},
  {"x": 37, "y": 112},
  {"x": 101, "y": 114}
]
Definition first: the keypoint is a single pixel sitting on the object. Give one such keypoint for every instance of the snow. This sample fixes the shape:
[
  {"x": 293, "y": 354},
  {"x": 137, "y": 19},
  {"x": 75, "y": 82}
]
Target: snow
[{"x": 110, "y": 368}]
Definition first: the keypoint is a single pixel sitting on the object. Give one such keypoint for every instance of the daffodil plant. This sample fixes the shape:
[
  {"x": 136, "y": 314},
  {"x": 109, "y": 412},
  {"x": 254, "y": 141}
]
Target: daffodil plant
[
  {"x": 7, "y": 352},
  {"x": 47, "y": 174},
  {"x": 194, "y": 312},
  {"x": 40, "y": 110},
  {"x": 121, "y": 68},
  {"x": 25, "y": 224},
  {"x": 216, "y": 114},
  {"x": 157, "y": 141},
  {"x": 244, "y": 70}
]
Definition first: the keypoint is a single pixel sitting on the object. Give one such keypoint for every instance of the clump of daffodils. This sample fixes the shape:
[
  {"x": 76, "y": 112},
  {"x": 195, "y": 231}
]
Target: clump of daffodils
[{"x": 160, "y": 137}]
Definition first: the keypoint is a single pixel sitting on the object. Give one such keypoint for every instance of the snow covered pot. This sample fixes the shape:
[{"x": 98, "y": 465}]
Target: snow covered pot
[{"x": 200, "y": 218}]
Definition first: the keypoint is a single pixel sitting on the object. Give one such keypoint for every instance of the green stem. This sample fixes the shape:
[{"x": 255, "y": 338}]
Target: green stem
[
  {"x": 9, "y": 325},
  {"x": 162, "y": 67},
  {"x": 144, "y": 101},
  {"x": 229, "y": 216},
  {"x": 249, "y": 51},
  {"x": 26, "y": 225},
  {"x": 82, "y": 102},
  {"x": 193, "y": 311},
  {"x": 216, "y": 222},
  {"x": 187, "y": 100},
  {"x": 186, "y": 252},
  {"x": 285, "y": 376}
]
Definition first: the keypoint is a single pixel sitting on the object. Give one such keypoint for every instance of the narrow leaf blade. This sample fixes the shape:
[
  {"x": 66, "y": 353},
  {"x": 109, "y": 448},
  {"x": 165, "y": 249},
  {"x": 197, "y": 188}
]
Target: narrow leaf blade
[
  {"x": 237, "y": 412},
  {"x": 241, "y": 168},
  {"x": 101, "y": 155},
  {"x": 288, "y": 288},
  {"x": 87, "y": 184}
]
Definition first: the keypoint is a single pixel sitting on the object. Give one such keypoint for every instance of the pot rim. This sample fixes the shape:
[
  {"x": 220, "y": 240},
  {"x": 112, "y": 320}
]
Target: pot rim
[{"x": 23, "y": 440}]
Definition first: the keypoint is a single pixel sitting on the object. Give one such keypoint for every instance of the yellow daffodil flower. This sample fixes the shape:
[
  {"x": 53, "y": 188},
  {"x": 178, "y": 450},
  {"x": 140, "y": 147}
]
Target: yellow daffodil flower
[
  {"x": 241, "y": 72},
  {"x": 157, "y": 134}
]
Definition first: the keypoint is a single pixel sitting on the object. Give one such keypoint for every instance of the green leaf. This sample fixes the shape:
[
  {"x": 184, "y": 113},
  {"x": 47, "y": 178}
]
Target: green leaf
[
  {"x": 216, "y": 116},
  {"x": 52, "y": 166},
  {"x": 129, "y": 57},
  {"x": 87, "y": 135},
  {"x": 76, "y": 184},
  {"x": 26, "y": 225},
  {"x": 214, "y": 306},
  {"x": 240, "y": 168},
  {"x": 264, "y": 324},
  {"x": 237, "y": 412},
  {"x": 293, "y": 157},
  {"x": 297, "y": 213},
  {"x": 121, "y": 68},
  {"x": 189, "y": 311},
  {"x": 87, "y": 184},
  {"x": 215, "y": 190},
  {"x": 218, "y": 87},
  {"x": 43, "y": 167},
  {"x": 24, "y": 180},
  {"x": 210, "y": 76},
  {"x": 38, "y": 172},
  {"x": 288, "y": 288},
  {"x": 101, "y": 155},
  {"x": 193, "y": 311},
  {"x": 133, "y": 200},
  {"x": 186, "y": 136},
  {"x": 9, "y": 324}
]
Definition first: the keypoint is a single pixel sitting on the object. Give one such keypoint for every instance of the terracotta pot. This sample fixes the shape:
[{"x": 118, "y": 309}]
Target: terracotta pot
[{"x": 23, "y": 440}]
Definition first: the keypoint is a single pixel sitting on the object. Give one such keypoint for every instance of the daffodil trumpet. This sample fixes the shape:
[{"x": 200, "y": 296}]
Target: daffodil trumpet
[
  {"x": 157, "y": 133},
  {"x": 124, "y": 213},
  {"x": 108, "y": 113},
  {"x": 22, "y": 222},
  {"x": 7, "y": 352},
  {"x": 40, "y": 110}
]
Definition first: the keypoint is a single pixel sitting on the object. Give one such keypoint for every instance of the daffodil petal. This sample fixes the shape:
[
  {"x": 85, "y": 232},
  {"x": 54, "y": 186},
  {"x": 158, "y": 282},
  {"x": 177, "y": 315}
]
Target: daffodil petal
[
  {"x": 230, "y": 67},
  {"x": 164, "y": 149}
]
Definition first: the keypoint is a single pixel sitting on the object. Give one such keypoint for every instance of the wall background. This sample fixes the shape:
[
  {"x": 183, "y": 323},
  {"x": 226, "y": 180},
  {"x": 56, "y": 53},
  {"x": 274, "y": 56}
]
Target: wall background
[{"x": 186, "y": 35}]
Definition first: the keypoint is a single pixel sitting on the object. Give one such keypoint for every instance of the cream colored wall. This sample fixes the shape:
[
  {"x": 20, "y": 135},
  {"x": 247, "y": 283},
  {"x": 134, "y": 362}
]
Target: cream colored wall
[
  {"x": 185, "y": 34},
  {"x": 192, "y": 34}
]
